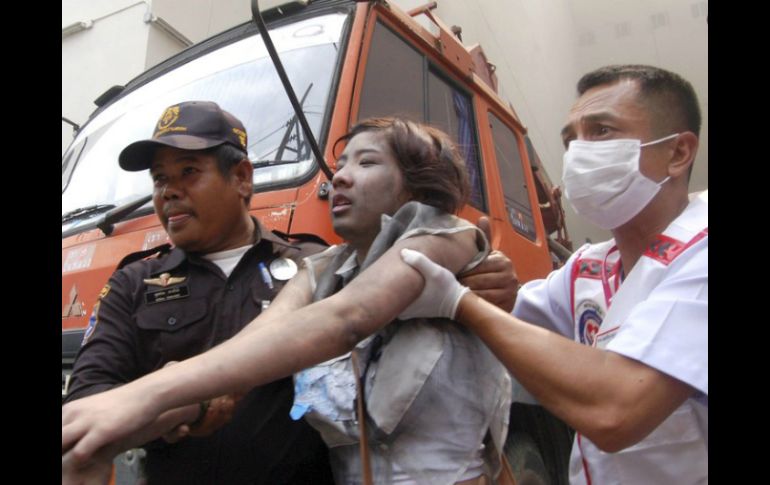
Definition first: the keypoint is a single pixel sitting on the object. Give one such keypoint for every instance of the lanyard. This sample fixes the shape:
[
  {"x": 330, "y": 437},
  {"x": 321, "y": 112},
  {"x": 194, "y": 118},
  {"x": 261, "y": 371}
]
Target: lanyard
[{"x": 609, "y": 291}]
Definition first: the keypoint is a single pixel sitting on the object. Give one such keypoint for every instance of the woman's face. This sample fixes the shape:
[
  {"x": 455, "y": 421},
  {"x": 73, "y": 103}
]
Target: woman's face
[{"x": 367, "y": 184}]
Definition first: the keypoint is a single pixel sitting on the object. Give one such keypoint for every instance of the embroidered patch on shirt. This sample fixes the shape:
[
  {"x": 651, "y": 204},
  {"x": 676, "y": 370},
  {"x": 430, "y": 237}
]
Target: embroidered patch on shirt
[
  {"x": 92, "y": 321},
  {"x": 590, "y": 317},
  {"x": 164, "y": 280}
]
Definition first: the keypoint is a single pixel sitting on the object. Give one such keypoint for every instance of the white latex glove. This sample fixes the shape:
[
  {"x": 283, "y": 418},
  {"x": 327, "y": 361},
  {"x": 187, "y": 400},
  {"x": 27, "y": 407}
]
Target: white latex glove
[{"x": 441, "y": 294}]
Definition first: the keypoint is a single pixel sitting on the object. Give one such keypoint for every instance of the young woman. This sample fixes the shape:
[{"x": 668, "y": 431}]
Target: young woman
[{"x": 435, "y": 399}]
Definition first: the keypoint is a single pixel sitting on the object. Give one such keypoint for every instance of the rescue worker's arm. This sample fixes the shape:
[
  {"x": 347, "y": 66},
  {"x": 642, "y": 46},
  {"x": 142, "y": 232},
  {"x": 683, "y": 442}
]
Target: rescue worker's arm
[
  {"x": 283, "y": 345},
  {"x": 613, "y": 400}
]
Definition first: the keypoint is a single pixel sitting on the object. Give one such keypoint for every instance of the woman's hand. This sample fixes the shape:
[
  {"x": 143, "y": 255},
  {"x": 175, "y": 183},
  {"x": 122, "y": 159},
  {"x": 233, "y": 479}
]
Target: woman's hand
[{"x": 106, "y": 418}]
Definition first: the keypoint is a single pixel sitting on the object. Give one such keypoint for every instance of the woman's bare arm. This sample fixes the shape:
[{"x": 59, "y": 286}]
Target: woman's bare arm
[{"x": 279, "y": 346}]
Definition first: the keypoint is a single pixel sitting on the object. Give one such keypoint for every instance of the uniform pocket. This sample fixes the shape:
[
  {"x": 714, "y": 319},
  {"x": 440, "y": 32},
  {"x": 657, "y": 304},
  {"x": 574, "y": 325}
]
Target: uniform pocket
[{"x": 171, "y": 316}]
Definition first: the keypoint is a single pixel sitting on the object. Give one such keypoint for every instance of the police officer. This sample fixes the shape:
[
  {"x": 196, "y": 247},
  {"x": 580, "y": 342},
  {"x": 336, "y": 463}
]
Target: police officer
[{"x": 225, "y": 267}]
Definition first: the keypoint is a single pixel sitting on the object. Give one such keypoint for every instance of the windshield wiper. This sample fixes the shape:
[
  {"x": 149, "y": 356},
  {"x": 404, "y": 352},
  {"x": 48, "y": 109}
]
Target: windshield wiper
[
  {"x": 273, "y": 163},
  {"x": 108, "y": 221},
  {"x": 310, "y": 139},
  {"x": 85, "y": 211}
]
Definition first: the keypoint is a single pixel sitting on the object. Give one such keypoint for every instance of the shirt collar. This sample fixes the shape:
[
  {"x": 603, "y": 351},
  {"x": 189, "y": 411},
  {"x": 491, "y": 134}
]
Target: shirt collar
[
  {"x": 349, "y": 268},
  {"x": 178, "y": 256}
]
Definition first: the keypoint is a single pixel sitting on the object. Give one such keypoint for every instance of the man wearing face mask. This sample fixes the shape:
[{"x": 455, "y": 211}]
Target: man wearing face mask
[{"x": 631, "y": 376}]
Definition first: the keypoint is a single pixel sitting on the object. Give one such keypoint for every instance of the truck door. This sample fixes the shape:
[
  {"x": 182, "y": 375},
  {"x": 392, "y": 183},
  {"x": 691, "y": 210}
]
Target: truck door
[
  {"x": 399, "y": 79},
  {"x": 517, "y": 215}
]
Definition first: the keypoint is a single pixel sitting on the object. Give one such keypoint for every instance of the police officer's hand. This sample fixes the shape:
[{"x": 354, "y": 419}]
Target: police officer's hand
[
  {"x": 181, "y": 431},
  {"x": 219, "y": 411},
  {"x": 495, "y": 278},
  {"x": 209, "y": 416}
]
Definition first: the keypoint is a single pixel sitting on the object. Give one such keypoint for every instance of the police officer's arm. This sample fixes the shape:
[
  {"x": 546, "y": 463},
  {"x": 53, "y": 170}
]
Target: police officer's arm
[
  {"x": 613, "y": 400},
  {"x": 494, "y": 279},
  {"x": 284, "y": 345},
  {"x": 108, "y": 356},
  {"x": 93, "y": 372}
]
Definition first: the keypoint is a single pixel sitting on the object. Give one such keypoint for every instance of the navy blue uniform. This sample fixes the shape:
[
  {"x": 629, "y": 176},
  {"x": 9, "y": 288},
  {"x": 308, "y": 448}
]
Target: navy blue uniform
[{"x": 141, "y": 326}]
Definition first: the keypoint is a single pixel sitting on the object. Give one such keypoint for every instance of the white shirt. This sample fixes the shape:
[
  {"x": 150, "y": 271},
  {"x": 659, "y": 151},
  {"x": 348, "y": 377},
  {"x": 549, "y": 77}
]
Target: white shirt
[
  {"x": 659, "y": 316},
  {"x": 227, "y": 260}
]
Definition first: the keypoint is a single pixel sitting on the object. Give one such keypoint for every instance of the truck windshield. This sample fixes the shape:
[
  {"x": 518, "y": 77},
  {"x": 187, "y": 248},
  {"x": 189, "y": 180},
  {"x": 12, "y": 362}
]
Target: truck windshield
[{"x": 241, "y": 78}]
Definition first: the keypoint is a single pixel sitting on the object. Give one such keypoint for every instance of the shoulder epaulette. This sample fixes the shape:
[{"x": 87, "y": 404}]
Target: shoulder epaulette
[
  {"x": 301, "y": 237},
  {"x": 130, "y": 258},
  {"x": 665, "y": 249}
]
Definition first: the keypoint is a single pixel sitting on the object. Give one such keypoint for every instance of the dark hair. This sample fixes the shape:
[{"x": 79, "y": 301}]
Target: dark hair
[
  {"x": 227, "y": 156},
  {"x": 671, "y": 97},
  {"x": 433, "y": 169}
]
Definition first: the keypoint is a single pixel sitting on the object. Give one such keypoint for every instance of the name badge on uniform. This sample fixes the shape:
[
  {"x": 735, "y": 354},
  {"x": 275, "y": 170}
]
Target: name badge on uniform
[
  {"x": 283, "y": 269},
  {"x": 175, "y": 293}
]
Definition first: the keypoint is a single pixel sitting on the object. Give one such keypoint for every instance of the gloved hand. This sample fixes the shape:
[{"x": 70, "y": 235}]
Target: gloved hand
[{"x": 441, "y": 294}]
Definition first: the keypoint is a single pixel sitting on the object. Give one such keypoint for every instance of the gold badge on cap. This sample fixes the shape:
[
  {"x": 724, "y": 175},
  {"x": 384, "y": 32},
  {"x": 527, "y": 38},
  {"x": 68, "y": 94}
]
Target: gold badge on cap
[
  {"x": 166, "y": 122},
  {"x": 168, "y": 118},
  {"x": 283, "y": 269},
  {"x": 241, "y": 136},
  {"x": 165, "y": 279}
]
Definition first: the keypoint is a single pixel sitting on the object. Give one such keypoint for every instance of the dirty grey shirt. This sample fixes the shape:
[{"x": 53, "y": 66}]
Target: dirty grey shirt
[{"x": 437, "y": 400}]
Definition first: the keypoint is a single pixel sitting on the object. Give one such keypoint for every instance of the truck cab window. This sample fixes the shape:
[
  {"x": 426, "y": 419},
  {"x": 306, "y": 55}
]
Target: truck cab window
[
  {"x": 401, "y": 81},
  {"x": 239, "y": 76},
  {"x": 514, "y": 184},
  {"x": 451, "y": 110}
]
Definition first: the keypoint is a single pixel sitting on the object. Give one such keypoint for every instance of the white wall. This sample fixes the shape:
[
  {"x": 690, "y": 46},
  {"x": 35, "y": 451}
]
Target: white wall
[
  {"x": 111, "y": 52},
  {"x": 121, "y": 43},
  {"x": 160, "y": 46},
  {"x": 200, "y": 19}
]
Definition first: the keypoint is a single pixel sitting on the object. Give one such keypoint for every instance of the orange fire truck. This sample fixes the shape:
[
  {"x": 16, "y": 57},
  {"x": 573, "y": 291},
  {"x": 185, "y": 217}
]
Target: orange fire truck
[{"x": 346, "y": 60}]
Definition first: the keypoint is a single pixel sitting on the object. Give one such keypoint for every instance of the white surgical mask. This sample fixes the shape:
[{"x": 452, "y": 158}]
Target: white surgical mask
[{"x": 603, "y": 183}]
